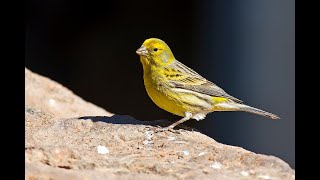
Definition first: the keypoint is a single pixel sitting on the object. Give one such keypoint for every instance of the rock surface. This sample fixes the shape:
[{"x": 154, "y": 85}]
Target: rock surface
[{"x": 68, "y": 138}]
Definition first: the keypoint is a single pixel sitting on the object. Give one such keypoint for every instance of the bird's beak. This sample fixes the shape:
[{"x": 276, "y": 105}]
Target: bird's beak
[{"x": 142, "y": 51}]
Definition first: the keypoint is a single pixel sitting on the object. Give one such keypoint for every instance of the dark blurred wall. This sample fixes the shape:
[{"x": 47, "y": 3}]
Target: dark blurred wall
[{"x": 245, "y": 47}]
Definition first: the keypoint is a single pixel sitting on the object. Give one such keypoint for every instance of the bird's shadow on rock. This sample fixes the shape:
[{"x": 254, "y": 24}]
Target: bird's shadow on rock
[{"x": 125, "y": 119}]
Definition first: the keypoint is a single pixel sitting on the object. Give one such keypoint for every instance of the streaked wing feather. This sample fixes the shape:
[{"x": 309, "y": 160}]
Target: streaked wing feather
[{"x": 191, "y": 80}]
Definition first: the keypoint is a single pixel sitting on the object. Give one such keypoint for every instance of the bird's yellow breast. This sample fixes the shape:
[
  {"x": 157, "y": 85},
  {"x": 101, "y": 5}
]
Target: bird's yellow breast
[{"x": 163, "y": 98}]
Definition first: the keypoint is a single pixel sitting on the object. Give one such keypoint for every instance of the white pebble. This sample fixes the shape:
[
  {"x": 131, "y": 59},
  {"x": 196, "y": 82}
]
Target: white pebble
[
  {"x": 244, "y": 173},
  {"x": 149, "y": 135},
  {"x": 52, "y": 102},
  {"x": 216, "y": 165},
  {"x": 185, "y": 152},
  {"x": 202, "y": 153},
  {"x": 264, "y": 176},
  {"x": 102, "y": 150}
]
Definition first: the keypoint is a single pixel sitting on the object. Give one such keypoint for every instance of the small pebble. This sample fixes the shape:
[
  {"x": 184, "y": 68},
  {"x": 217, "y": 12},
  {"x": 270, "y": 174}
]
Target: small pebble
[
  {"x": 244, "y": 173},
  {"x": 216, "y": 165},
  {"x": 102, "y": 150},
  {"x": 264, "y": 176},
  {"x": 185, "y": 152},
  {"x": 52, "y": 102}
]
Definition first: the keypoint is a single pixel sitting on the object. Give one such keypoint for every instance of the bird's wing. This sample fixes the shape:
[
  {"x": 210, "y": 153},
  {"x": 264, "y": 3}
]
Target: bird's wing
[{"x": 186, "y": 78}]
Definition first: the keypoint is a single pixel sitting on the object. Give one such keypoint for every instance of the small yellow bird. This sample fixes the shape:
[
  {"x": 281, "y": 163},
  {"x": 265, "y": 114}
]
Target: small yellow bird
[{"x": 180, "y": 90}]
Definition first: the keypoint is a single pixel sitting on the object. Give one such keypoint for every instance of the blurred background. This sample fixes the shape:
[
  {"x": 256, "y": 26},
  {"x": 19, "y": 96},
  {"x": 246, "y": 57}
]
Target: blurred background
[{"x": 246, "y": 47}]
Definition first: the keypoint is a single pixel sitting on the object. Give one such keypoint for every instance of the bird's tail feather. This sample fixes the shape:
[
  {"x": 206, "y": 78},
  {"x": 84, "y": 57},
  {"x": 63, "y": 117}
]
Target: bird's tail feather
[
  {"x": 253, "y": 110},
  {"x": 245, "y": 108}
]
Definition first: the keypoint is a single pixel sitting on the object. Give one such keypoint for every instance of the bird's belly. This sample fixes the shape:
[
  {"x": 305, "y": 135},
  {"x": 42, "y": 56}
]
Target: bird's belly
[{"x": 163, "y": 100}]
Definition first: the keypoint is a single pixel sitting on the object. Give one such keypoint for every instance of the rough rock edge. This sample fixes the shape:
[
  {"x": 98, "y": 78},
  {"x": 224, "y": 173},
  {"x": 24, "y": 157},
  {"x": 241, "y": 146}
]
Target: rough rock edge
[{"x": 49, "y": 96}]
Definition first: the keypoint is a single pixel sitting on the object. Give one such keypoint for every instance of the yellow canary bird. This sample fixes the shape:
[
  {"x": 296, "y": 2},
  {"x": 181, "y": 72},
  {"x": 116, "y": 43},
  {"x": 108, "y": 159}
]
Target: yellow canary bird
[{"x": 180, "y": 90}]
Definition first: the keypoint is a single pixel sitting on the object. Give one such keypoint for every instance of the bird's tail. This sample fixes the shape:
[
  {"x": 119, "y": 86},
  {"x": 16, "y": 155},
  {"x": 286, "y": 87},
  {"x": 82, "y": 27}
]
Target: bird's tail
[
  {"x": 253, "y": 110},
  {"x": 245, "y": 108}
]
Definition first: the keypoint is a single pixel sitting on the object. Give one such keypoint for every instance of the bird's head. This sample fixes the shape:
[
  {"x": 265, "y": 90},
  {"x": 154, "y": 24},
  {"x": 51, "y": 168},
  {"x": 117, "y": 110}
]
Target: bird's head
[{"x": 155, "y": 52}]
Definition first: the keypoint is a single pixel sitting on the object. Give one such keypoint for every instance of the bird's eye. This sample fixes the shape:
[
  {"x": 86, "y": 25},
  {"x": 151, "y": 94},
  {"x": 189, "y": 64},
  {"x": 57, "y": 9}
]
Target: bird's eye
[{"x": 155, "y": 49}]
